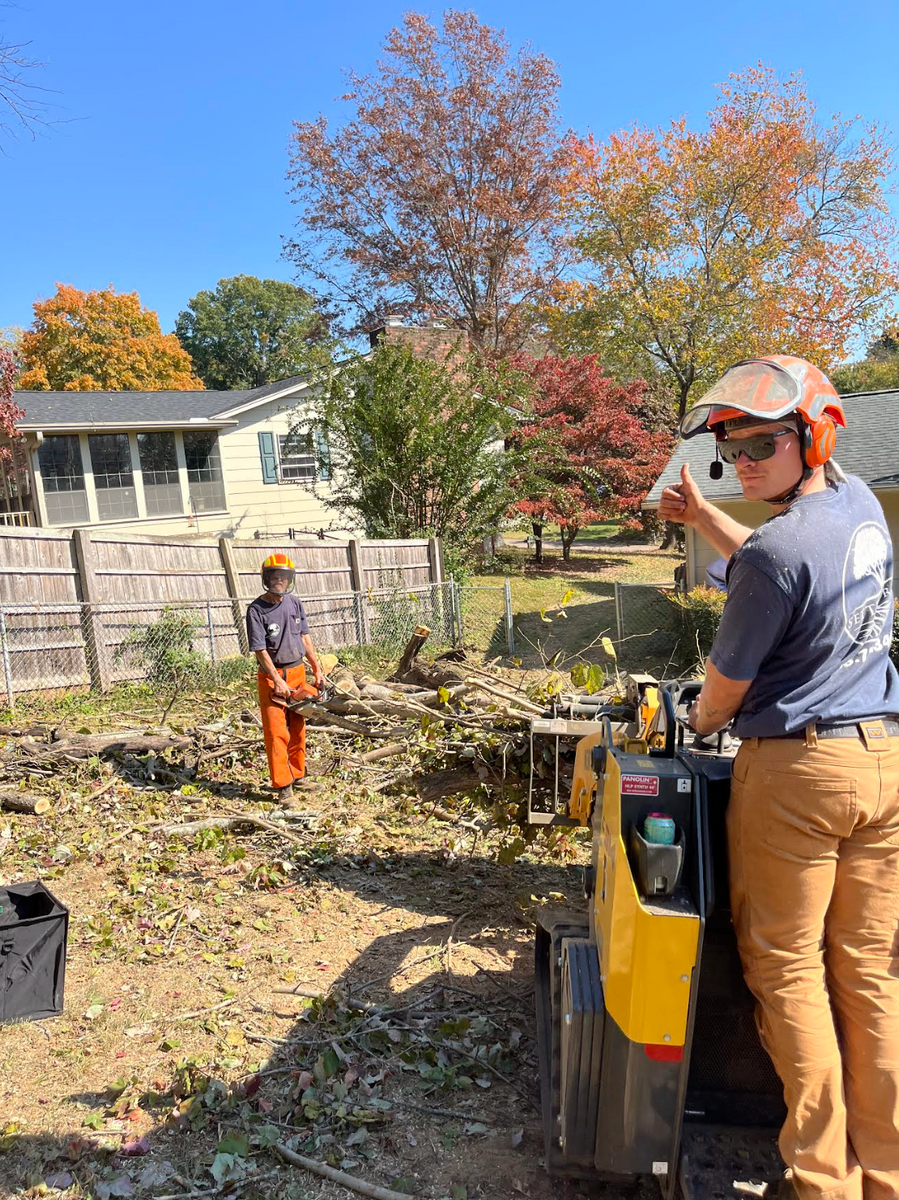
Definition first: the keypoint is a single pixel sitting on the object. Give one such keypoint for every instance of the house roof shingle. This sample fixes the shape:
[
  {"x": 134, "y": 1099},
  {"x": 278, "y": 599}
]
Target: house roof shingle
[
  {"x": 109, "y": 408},
  {"x": 867, "y": 447},
  {"x": 104, "y": 408}
]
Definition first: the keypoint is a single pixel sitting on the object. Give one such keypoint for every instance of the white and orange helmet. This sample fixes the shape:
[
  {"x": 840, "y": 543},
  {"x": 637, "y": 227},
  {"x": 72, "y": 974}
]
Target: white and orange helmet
[{"x": 775, "y": 388}]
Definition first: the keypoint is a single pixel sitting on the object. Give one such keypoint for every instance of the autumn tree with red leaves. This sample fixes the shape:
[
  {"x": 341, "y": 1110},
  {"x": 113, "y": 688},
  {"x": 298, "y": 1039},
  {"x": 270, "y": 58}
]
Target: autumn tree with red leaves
[
  {"x": 593, "y": 448},
  {"x": 765, "y": 230},
  {"x": 439, "y": 197}
]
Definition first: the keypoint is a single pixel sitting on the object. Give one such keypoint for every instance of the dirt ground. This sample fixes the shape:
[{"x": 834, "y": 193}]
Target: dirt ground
[{"x": 364, "y": 998}]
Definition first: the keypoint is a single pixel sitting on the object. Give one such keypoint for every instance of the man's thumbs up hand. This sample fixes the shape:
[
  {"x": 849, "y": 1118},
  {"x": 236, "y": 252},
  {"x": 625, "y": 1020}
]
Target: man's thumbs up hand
[{"x": 681, "y": 503}]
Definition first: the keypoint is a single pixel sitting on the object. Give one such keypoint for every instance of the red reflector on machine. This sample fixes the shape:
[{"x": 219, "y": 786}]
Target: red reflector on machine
[{"x": 664, "y": 1052}]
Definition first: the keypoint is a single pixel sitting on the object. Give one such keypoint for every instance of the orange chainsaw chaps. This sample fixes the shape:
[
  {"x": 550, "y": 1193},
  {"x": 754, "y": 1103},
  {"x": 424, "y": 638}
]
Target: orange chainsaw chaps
[{"x": 283, "y": 730}]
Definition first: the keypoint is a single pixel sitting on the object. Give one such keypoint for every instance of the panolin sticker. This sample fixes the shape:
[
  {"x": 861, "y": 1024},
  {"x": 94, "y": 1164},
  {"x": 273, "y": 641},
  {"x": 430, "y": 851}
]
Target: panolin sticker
[{"x": 639, "y": 785}]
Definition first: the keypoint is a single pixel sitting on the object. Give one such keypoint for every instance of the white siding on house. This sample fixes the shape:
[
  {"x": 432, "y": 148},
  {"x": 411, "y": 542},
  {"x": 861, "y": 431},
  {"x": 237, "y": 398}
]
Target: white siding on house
[{"x": 254, "y": 504}]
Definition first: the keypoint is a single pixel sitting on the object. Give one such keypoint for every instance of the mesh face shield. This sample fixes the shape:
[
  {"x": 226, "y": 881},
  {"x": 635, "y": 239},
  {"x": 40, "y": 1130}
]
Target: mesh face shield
[
  {"x": 752, "y": 389},
  {"x": 268, "y": 572}
]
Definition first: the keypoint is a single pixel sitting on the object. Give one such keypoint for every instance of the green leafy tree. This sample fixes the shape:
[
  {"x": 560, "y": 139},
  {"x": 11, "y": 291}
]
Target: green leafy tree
[
  {"x": 251, "y": 331},
  {"x": 416, "y": 445},
  {"x": 878, "y": 371}
]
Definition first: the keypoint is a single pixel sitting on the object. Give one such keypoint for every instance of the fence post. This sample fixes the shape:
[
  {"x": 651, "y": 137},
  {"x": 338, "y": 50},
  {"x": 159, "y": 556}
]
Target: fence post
[
  {"x": 363, "y": 631},
  {"x": 211, "y": 627},
  {"x": 94, "y": 649},
  {"x": 510, "y": 625},
  {"x": 456, "y": 611},
  {"x": 7, "y": 667},
  {"x": 358, "y": 603},
  {"x": 232, "y": 577},
  {"x": 618, "y": 613},
  {"x": 434, "y": 558}
]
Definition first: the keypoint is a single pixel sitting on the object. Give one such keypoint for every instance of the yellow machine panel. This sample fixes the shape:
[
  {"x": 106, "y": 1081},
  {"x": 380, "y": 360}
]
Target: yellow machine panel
[{"x": 647, "y": 950}]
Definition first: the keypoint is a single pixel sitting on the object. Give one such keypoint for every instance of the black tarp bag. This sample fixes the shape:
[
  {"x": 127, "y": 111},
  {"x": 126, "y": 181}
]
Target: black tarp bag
[{"x": 33, "y": 931}]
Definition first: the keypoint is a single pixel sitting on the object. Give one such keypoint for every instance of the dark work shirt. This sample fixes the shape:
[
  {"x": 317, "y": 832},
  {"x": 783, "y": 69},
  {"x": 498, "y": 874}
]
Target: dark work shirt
[
  {"x": 278, "y": 628},
  {"x": 809, "y": 615}
]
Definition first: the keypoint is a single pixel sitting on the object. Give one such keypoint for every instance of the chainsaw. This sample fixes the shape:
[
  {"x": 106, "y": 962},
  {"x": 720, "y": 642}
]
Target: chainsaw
[{"x": 306, "y": 696}]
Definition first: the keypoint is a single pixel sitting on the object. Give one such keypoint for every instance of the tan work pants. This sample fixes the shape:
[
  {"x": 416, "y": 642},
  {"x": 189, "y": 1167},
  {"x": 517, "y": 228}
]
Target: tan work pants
[{"x": 813, "y": 831}]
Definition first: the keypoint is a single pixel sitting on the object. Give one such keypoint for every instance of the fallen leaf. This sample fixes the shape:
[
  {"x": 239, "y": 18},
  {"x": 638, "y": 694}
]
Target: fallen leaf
[
  {"x": 517, "y": 1137},
  {"x": 61, "y": 1180},
  {"x": 234, "y": 1144},
  {"x": 93, "y": 1012},
  {"x": 474, "y": 1127},
  {"x": 121, "y": 1185},
  {"x": 136, "y": 1148},
  {"x": 135, "y": 1031},
  {"x": 155, "y": 1173}
]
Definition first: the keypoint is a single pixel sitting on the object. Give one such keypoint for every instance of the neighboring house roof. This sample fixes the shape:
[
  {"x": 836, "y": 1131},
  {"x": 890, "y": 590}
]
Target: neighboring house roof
[
  {"x": 89, "y": 410},
  {"x": 867, "y": 447}
]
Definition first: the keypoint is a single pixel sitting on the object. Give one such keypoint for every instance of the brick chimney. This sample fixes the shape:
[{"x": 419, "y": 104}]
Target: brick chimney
[{"x": 436, "y": 340}]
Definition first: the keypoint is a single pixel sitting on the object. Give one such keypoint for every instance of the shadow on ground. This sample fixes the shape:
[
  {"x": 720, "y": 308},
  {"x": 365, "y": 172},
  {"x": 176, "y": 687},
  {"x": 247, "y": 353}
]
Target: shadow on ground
[{"x": 417, "y": 1068}]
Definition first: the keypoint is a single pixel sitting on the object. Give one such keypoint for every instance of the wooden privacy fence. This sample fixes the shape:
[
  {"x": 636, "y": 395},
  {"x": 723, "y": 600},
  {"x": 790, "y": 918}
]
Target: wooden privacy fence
[{"x": 72, "y": 606}]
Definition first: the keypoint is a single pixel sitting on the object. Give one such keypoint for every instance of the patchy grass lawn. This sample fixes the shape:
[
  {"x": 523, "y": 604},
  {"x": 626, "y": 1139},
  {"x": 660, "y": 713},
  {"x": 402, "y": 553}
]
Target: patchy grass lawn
[{"x": 542, "y": 632}]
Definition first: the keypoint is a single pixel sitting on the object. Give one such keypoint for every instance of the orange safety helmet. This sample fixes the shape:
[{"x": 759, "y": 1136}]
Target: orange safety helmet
[
  {"x": 774, "y": 388},
  {"x": 278, "y": 562}
]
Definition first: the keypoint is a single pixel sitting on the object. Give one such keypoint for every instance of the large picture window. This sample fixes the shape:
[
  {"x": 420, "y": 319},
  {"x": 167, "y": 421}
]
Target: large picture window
[
  {"x": 62, "y": 472},
  {"x": 204, "y": 471},
  {"x": 159, "y": 468},
  {"x": 113, "y": 475}
]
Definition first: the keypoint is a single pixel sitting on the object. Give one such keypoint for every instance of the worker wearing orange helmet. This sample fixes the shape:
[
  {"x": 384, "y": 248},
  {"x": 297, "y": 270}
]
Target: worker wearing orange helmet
[
  {"x": 801, "y": 665},
  {"x": 278, "y": 634}
]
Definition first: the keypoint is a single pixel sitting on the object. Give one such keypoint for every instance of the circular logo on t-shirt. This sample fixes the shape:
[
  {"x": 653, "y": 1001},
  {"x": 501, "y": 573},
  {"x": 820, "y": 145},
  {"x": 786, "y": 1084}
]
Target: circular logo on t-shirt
[
  {"x": 867, "y": 584},
  {"x": 273, "y": 630}
]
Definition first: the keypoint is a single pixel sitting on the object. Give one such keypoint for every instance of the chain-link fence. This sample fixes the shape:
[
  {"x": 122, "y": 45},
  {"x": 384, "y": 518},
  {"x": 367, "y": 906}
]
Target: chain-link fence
[
  {"x": 192, "y": 643},
  {"x": 650, "y": 635},
  {"x": 198, "y": 643},
  {"x": 485, "y": 619}
]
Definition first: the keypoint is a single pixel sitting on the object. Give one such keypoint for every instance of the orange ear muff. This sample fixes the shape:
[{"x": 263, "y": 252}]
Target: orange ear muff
[{"x": 820, "y": 441}]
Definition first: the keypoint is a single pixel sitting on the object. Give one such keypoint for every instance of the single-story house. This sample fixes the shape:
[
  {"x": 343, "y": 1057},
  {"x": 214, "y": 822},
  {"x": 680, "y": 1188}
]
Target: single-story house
[
  {"x": 216, "y": 463},
  {"x": 868, "y": 447}
]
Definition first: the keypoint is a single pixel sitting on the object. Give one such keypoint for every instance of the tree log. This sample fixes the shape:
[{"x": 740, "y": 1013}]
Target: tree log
[
  {"x": 448, "y": 783},
  {"x": 24, "y": 802},
  {"x": 87, "y": 745},
  {"x": 415, "y": 643}
]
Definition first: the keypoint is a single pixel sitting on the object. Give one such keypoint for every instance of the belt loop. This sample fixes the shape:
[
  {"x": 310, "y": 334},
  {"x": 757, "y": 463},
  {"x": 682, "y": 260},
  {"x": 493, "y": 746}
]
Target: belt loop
[{"x": 811, "y": 736}]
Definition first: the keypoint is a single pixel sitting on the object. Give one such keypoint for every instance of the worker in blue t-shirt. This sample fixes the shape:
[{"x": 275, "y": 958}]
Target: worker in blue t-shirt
[
  {"x": 278, "y": 634},
  {"x": 801, "y": 665}
]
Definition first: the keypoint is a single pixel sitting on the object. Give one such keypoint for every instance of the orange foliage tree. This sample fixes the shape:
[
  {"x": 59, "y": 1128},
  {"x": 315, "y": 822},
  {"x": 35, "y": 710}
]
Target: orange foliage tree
[
  {"x": 764, "y": 232},
  {"x": 101, "y": 341}
]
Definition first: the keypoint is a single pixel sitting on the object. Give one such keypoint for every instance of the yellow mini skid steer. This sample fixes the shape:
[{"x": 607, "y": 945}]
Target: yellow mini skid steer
[{"x": 650, "y": 1061}]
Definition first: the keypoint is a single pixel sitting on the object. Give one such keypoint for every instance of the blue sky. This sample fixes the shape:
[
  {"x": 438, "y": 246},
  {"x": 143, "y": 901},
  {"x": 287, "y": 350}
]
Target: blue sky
[{"x": 168, "y": 173}]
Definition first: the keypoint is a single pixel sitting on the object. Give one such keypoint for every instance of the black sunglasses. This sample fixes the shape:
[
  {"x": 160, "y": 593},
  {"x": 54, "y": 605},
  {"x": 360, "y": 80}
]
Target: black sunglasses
[{"x": 757, "y": 448}]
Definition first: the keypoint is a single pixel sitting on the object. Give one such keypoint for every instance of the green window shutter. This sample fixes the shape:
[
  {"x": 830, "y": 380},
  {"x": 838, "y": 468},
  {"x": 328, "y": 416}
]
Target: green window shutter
[
  {"x": 323, "y": 455},
  {"x": 269, "y": 458}
]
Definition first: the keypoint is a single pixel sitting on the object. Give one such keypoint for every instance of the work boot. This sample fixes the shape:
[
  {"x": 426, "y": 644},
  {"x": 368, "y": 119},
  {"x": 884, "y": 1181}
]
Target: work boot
[{"x": 285, "y": 796}]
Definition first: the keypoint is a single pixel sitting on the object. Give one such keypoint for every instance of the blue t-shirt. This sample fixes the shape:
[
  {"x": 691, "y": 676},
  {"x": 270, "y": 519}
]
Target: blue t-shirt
[
  {"x": 278, "y": 628},
  {"x": 809, "y": 615}
]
